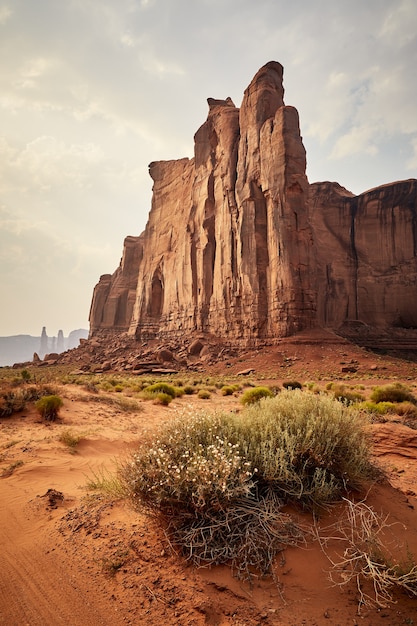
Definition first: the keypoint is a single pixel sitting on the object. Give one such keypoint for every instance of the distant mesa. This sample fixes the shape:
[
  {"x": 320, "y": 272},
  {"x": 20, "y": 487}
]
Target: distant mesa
[
  {"x": 241, "y": 247},
  {"x": 22, "y": 348}
]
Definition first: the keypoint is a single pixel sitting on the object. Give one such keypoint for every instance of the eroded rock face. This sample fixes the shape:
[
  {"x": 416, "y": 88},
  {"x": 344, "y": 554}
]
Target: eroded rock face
[
  {"x": 239, "y": 246},
  {"x": 366, "y": 254},
  {"x": 114, "y": 295}
]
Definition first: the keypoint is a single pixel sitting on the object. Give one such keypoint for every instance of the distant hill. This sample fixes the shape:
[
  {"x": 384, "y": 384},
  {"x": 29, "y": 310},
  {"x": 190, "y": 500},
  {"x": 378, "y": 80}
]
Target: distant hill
[{"x": 20, "y": 348}]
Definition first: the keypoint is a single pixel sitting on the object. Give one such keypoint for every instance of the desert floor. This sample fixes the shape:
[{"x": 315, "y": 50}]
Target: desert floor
[{"x": 88, "y": 559}]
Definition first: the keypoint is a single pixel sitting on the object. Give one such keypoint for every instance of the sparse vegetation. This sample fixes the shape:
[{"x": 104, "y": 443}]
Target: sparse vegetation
[
  {"x": 70, "y": 439},
  {"x": 8, "y": 471},
  {"x": 106, "y": 483},
  {"x": 347, "y": 396},
  {"x": 48, "y": 407}
]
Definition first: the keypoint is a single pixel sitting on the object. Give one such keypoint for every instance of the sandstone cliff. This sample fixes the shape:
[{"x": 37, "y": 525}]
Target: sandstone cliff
[
  {"x": 366, "y": 254},
  {"x": 238, "y": 245}
]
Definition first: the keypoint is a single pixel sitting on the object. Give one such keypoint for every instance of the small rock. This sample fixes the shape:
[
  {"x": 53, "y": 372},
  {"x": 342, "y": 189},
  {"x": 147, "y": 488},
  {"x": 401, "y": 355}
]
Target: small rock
[{"x": 246, "y": 372}]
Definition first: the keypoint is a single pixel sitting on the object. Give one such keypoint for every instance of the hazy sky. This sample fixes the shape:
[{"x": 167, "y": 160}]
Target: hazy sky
[{"x": 92, "y": 91}]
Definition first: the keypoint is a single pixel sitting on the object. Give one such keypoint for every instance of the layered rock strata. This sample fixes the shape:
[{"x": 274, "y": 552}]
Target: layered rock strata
[{"x": 239, "y": 246}]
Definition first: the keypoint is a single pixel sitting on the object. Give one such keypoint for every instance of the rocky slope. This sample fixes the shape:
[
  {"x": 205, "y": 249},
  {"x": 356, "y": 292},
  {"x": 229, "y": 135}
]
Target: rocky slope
[{"x": 240, "y": 247}]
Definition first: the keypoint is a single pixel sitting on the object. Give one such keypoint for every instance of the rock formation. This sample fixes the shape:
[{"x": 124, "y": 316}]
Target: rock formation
[
  {"x": 114, "y": 295},
  {"x": 239, "y": 246},
  {"x": 366, "y": 255}
]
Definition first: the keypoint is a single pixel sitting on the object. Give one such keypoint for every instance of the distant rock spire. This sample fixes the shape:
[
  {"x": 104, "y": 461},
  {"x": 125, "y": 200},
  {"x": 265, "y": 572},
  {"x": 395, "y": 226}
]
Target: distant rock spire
[
  {"x": 60, "y": 343},
  {"x": 44, "y": 343}
]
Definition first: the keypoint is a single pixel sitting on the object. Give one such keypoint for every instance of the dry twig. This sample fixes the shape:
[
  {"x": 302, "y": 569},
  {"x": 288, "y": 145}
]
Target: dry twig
[{"x": 365, "y": 558}]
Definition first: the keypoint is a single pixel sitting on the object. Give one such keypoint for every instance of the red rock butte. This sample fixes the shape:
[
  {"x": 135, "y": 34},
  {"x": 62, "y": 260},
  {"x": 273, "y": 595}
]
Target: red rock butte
[{"x": 241, "y": 247}]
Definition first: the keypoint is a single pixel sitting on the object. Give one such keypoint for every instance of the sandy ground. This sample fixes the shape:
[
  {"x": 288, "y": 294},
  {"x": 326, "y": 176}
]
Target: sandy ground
[{"x": 85, "y": 560}]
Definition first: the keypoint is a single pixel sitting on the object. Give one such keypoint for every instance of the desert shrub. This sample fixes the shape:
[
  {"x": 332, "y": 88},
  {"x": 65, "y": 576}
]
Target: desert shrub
[
  {"x": 408, "y": 413},
  {"x": 306, "y": 447},
  {"x": 12, "y": 401},
  {"x": 379, "y": 408},
  {"x": 407, "y": 410},
  {"x": 348, "y": 396},
  {"x": 157, "y": 388},
  {"x": 179, "y": 392},
  {"x": 190, "y": 465},
  {"x": 292, "y": 384},
  {"x": 392, "y": 393},
  {"x": 189, "y": 390},
  {"x": 162, "y": 398},
  {"x": 48, "y": 407},
  {"x": 219, "y": 481},
  {"x": 26, "y": 376},
  {"x": 254, "y": 394},
  {"x": 204, "y": 394},
  {"x": 227, "y": 390}
]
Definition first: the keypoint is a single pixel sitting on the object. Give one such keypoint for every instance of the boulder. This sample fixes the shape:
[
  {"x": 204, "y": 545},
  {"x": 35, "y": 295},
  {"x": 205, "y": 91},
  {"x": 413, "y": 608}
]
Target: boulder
[
  {"x": 165, "y": 356},
  {"x": 195, "y": 347}
]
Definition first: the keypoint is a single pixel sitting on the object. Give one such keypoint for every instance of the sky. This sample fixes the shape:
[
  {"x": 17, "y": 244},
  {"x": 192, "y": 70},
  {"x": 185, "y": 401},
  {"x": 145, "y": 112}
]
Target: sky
[{"x": 92, "y": 91}]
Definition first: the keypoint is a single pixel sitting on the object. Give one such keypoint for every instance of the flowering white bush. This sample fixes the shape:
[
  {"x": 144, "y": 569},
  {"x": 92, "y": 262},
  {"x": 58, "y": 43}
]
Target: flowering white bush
[{"x": 192, "y": 465}]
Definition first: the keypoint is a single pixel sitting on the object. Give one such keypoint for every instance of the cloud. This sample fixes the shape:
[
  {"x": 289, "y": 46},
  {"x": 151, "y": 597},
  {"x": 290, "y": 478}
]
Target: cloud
[
  {"x": 359, "y": 139},
  {"x": 5, "y": 14}
]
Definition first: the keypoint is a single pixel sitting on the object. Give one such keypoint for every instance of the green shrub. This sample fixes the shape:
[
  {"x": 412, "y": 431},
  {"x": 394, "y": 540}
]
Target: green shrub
[
  {"x": 392, "y": 393},
  {"x": 379, "y": 408},
  {"x": 189, "y": 390},
  {"x": 292, "y": 384},
  {"x": 162, "y": 398},
  {"x": 48, "y": 407},
  {"x": 25, "y": 374},
  {"x": 254, "y": 394},
  {"x": 306, "y": 447},
  {"x": 204, "y": 394},
  {"x": 227, "y": 390},
  {"x": 160, "y": 388}
]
